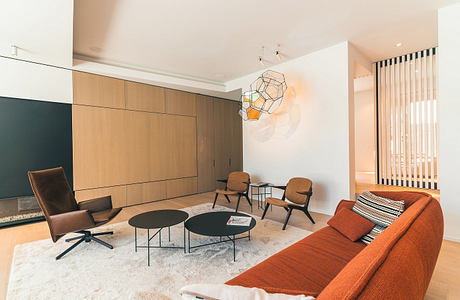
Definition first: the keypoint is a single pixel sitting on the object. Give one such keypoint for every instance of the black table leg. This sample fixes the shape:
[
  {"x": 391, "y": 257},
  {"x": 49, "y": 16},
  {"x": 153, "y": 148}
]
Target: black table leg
[
  {"x": 148, "y": 246},
  {"x": 169, "y": 233},
  {"x": 135, "y": 239},
  {"x": 234, "y": 249},
  {"x": 189, "y": 241},
  {"x": 249, "y": 234},
  {"x": 184, "y": 239},
  {"x": 160, "y": 236}
]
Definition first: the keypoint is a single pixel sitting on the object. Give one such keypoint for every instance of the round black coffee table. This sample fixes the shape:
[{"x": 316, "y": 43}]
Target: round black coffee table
[
  {"x": 157, "y": 219},
  {"x": 215, "y": 224}
]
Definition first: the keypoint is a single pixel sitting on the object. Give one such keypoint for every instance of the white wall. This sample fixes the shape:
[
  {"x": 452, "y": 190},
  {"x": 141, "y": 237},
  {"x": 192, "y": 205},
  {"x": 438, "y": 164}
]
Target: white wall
[
  {"x": 365, "y": 146},
  {"x": 308, "y": 135},
  {"x": 449, "y": 112},
  {"x": 19, "y": 79}
]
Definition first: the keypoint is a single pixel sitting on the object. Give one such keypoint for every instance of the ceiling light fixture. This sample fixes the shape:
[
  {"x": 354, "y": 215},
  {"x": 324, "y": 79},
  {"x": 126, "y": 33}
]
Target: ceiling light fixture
[
  {"x": 261, "y": 61},
  {"x": 14, "y": 50},
  {"x": 398, "y": 44},
  {"x": 277, "y": 53}
]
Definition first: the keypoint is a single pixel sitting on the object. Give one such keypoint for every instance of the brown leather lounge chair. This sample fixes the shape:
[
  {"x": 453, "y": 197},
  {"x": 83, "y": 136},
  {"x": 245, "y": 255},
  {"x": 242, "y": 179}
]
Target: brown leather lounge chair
[
  {"x": 298, "y": 191},
  {"x": 63, "y": 213},
  {"x": 236, "y": 184}
]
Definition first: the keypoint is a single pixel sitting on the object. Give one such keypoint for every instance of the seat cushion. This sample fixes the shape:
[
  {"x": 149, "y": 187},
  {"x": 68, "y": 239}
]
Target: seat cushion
[
  {"x": 224, "y": 192},
  {"x": 350, "y": 224},
  {"x": 308, "y": 265},
  {"x": 105, "y": 215},
  {"x": 279, "y": 202}
]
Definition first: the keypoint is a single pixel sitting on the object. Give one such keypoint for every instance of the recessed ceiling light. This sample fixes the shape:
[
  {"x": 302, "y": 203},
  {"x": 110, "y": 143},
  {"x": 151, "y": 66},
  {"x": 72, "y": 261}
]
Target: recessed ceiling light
[{"x": 398, "y": 44}]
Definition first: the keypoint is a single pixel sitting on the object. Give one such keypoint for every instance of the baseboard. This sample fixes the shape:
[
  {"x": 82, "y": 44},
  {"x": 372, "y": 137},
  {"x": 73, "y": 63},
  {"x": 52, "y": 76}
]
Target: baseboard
[{"x": 452, "y": 239}]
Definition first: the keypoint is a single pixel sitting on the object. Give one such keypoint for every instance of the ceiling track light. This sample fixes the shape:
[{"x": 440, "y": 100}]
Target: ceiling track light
[
  {"x": 14, "y": 50},
  {"x": 261, "y": 61},
  {"x": 278, "y": 55}
]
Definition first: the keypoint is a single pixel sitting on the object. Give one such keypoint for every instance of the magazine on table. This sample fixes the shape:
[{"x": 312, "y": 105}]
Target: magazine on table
[{"x": 239, "y": 221}]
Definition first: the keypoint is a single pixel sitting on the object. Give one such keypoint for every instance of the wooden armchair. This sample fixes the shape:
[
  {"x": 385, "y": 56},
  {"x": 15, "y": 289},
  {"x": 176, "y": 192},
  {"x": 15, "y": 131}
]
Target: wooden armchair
[
  {"x": 298, "y": 191},
  {"x": 236, "y": 184}
]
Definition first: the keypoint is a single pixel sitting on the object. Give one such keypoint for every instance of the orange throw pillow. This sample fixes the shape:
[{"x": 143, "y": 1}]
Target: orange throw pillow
[{"x": 350, "y": 224}]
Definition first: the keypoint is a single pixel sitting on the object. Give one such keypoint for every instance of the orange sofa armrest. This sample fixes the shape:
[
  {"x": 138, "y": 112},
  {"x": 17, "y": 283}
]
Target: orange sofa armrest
[
  {"x": 275, "y": 290},
  {"x": 344, "y": 204},
  {"x": 71, "y": 221}
]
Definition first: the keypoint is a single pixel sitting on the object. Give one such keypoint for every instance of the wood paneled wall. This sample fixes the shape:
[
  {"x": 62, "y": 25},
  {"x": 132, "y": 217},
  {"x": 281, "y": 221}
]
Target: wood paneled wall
[{"x": 141, "y": 143}]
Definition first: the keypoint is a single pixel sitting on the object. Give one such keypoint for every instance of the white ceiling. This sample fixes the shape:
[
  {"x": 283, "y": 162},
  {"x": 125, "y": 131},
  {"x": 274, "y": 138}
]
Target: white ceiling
[{"x": 219, "y": 40}]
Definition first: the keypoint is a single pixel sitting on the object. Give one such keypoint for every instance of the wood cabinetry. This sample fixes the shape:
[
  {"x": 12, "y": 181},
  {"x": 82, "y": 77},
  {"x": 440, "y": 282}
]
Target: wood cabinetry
[
  {"x": 180, "y": 103},
  {"x": 144, "y": 97},
  {"x": 219, "y": 130},
  {"x": 99, "y": 147},
  {"x": 205, "y": 143},
  {"x": 142, "y": 143},
  {"x": 96, "y": 90},
  {"x": 118, "y": 194}
]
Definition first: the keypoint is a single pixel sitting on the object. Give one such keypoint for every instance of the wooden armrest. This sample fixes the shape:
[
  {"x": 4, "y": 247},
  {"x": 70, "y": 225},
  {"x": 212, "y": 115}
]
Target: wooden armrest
[
  {"x": 281, "y": 187},
  {"x": 307, "y": 193},
  {"x": 71, "y": 221},
  {"x": 96, "y": 204}
]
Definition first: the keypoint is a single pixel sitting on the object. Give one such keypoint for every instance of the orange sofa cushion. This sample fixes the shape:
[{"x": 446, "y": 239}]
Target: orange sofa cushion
[
  {"x": 350, "y": 224},
  {"x": 307, "y": 266}
]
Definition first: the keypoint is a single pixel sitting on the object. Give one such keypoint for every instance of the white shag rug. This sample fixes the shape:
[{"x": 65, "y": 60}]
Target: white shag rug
[{"x": 91, "y": 271}]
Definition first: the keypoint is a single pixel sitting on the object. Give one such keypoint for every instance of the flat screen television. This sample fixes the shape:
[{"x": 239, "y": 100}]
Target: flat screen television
[{"x": 34, "y": 135}]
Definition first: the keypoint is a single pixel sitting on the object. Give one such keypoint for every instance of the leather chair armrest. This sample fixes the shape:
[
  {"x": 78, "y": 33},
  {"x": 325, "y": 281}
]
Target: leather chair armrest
[
  {"x": 344, "y": 204},
  {"x": 71, "y": 221},
  {"x": 222, "y": 180},
  {"x": 97, "y": 204}
]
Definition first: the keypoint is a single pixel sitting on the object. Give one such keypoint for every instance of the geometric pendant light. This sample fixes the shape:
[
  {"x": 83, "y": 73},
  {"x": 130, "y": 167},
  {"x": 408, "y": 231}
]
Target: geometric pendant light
[{"x": 265, "y": 95}]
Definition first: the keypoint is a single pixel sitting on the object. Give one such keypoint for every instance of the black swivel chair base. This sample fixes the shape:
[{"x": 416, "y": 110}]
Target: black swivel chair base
[
  {"x": 289, "y": 210},
  {"x": 86, "y": 236}
]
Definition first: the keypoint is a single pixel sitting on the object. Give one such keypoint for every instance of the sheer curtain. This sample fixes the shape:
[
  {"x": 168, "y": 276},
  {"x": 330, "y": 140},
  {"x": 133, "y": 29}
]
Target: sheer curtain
[{"x": 407, "y": 121}]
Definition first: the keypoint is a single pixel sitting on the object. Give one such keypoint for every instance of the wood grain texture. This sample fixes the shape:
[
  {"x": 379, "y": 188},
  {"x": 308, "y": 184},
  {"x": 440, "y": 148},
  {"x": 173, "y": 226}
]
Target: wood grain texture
[
  {"x": 222, "y": 139},
  {"x": 144, "y": 97},
  {"x": 99, "y": 139},
  {"x": 118, "y": 194},
  {"x": 180, "y": 143},
  {"x": 138, "y": 146},
  {"x": 96, "y": 90},
  {"x": 180, "y": 103},
  {"x": 205, "y": 143},
  {"x": 181, "y": 187},
  {"x": 236, "y": 156},
  {"x": 145, "y": 192}
]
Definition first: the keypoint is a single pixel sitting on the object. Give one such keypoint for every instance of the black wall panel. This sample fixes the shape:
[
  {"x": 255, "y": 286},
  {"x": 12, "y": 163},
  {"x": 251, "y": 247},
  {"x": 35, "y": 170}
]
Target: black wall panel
[{"x": 34, "y": 135}]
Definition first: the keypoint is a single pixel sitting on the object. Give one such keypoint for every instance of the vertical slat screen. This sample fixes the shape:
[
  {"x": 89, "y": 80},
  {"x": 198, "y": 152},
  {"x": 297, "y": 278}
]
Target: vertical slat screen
[{"x": 407, "y": 108}]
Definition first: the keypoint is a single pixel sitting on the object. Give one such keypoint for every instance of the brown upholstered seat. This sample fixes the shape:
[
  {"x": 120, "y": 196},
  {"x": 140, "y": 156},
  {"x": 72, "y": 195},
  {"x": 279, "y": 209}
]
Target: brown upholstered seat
[
  {"x": 279, "y": 202},
  {"x": 298, "y": 191},
  {"x": 63, "y": 213},
  {"x": 236, "y": 184},
  {"x": 224, "y": 192}
]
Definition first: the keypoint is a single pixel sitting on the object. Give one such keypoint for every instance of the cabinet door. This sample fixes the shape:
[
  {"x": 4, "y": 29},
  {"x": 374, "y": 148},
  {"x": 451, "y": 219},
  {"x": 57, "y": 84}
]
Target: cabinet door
[
  {"x": 205, "y": 143},
  {"x": 236, "y": 156},
  {"x": 180, "y": 103},
  {"x": 222, "y": 138},
  {"x": 96, "y": 90},
  {"x": 144, "y": 97},
  {"x": 99, "y": 147}
]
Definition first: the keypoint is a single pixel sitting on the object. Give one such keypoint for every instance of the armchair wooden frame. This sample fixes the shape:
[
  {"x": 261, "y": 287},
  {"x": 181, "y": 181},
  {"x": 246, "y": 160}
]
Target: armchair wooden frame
[{"x": 290, "y": 207}]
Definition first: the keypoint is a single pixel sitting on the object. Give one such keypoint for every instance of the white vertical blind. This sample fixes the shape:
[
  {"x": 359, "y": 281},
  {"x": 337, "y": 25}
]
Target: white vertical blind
[{"x": 407, "y": 103}]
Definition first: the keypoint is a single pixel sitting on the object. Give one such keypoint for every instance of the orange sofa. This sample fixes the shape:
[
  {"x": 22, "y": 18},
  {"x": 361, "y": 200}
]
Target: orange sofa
[{"x": 398, "y": 264}]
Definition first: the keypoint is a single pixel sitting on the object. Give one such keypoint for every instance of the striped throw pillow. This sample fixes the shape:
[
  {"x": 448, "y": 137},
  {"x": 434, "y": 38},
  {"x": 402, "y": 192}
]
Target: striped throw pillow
[{"x": 381, "y": 211}]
